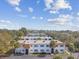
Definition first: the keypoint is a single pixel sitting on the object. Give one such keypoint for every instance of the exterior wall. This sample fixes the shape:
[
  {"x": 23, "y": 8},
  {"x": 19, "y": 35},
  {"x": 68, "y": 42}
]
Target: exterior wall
[
  {"x": 29, "y": 43},
  {"x": 59, "y": 48},
  {"x": 36, "y": 38},
  {"x": 38, "y": 49},
  {"x": 20, "y": 50}
]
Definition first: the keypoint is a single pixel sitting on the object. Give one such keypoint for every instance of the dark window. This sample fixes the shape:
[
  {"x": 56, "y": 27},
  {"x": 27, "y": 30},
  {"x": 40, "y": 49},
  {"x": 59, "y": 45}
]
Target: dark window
[
  {"x": 47, "y": 50},
  {"x": 47, "y": 45},
  {"x": 41, "y": 45},
  {"x": 34, "y": 39},
  {"x": 36, "y": 50},
  {"x": 61, "y": 45},
  {"x": 49, "y": 39},
  {"x": 27, "y": 39},
  {"x": 35, "y": 45},
  {"x": 42, "y": 50},
  {"x": 62, "y": 50},
  {"x": 23, "y": 50},
  {"x": 45, "y": 39}
]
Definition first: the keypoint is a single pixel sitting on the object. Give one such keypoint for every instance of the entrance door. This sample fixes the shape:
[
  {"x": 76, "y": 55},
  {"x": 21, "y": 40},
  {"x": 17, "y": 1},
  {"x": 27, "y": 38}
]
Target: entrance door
[
  {"x": 52, "y": 50},
  {"x": 26, "y": 51}
]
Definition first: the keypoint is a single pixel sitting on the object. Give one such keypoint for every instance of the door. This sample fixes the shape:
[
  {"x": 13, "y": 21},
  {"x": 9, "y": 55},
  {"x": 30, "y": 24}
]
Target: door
[
  {"x": 26, "y": 51},
  {"x": 52, "y": 50}
]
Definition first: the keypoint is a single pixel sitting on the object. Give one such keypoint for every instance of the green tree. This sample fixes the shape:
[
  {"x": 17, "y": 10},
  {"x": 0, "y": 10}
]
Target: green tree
[
  {"x": 76, "y": 44},
  {"x": 71, "y": 47},
  {"x": 23, "y": 30},
  {"x": 5, "y": 39},
  {"x": 53, "y": 44}
]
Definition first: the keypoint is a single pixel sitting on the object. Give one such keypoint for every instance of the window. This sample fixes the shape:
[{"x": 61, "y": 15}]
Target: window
[
  {"x": 47, "y": 50},
  {"x": 49, "y": 39},
  {"x": 42, "y": 50},
  {"x": 34, "y": 39},
  {"x": 41, "y": 45},
  {"x": 36, "y": 50},
  {"x": 35, "y": 45},
  {"x": 62, "y": 50},
  {"x": 61, "y": 45},
  {"x": 47, "y": 45},
  {"x": 45, "y": 39},
  {"x": 27, "y": 39},
  {"x": 23, "y": 50}
]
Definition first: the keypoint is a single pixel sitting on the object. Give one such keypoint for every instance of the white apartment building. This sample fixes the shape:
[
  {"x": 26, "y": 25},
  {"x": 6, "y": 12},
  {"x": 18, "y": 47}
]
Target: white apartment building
[{"x": 39, "y": 43}]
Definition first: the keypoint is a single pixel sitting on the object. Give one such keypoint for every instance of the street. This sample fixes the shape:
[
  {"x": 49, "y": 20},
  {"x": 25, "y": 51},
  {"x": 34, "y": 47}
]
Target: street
[{"x": 26, "y": 57}]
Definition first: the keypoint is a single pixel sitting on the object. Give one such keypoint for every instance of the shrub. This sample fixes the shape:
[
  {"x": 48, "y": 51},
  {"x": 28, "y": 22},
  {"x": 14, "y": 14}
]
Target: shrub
[
  {"x": 57, "y": 57},
  {"x": 70, "y": 57}
]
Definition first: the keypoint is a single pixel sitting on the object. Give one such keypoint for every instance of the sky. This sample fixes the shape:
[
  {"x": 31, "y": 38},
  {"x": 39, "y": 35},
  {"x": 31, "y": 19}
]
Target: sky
[{"x": 39, "y": 14}]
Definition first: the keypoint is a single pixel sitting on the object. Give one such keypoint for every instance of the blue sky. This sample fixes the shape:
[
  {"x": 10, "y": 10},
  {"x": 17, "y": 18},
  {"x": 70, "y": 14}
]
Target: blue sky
[{"x": 39, "y": 14}]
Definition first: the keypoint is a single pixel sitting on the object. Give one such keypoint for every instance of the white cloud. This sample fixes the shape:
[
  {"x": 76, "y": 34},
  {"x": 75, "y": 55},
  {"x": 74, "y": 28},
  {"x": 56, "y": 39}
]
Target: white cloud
[
  {"x": 53, "y": 12},
  {"x": 14, "y": 2},
  {"x": 18, "y": 9},
  {"x": 33, "y": 17},
  {"x": 5, "y": 21},
  {"x": 48, "y": 3},
  {"x": 61, "y": 20},
  {"x": 62, "y": 4},
  {"x": 30, "y": 9},
  {"x": 78, "y": 13},
  {"x": 41, "y": 18},
  {"x": 57, "y": 5}
]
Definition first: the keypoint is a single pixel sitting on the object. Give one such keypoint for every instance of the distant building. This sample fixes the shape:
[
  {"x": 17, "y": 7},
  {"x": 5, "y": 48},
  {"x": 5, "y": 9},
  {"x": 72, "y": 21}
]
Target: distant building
[{"x": 39, "y": 43}]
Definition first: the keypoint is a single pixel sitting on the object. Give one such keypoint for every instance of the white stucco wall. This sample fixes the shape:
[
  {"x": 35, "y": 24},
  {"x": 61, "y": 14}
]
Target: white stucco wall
[
  {"x": 59, "y": 48},
  {"x": 20, "y": 50},
  {"x": 39, "y": 48}
]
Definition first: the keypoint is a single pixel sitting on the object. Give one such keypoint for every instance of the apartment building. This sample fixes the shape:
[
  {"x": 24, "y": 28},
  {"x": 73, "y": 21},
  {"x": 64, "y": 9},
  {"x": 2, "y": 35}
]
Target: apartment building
[{"x": 39, "y": 43}]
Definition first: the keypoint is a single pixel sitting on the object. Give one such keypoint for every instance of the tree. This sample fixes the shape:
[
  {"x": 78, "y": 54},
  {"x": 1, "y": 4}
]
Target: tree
[
  {"x": 76, "y": 44},
  {"x": 5, "y": 42},
  {"x": 71, "y": 47},
  {"x": 53, "y": 44},
  {"x": 20, "y": 33},
  {"x": 23, "y": 30}
]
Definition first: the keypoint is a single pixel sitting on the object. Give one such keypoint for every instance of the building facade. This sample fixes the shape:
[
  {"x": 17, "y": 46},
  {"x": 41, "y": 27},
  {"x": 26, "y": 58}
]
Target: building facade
[
  {"x": 39, "y": 43},
  {"x": 59, "y": 47}
]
